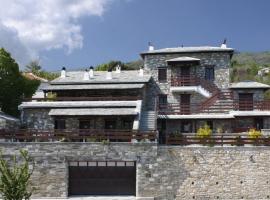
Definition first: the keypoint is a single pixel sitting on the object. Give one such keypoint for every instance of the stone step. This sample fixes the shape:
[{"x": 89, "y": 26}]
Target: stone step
[{"x": 148, "y": 120}]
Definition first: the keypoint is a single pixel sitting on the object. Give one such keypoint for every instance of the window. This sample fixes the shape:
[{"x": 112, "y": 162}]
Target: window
[
  {"x": 209, "y": 73},
  {"x": 127, "y": 124},
  {"x": 60, "y": 124},
  {"x": 87, "y": 124},
  {"x": 162, "y": 74},
  {"x": 162, "y": 99}
]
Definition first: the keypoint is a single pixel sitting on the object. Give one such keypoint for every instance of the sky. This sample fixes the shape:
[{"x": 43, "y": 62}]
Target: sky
[{"x": 81, "y": 33}]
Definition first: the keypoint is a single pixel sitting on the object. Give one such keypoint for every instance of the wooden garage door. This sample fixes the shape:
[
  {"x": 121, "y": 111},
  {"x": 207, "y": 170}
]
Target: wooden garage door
[{"x": 102, "y": 178}]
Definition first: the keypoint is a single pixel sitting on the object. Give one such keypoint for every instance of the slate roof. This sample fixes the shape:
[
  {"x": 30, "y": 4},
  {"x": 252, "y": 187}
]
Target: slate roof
[
  {"x": 77, "y": 104},
  {"x": 93, "y": 111},
  {"x": 93, "y": 87},
  {"x": 76, "y": 77},
  {"x": 188, "y": 50},
  {"x": 249, "y": 85},
  {"x": 7, "y": 117}
]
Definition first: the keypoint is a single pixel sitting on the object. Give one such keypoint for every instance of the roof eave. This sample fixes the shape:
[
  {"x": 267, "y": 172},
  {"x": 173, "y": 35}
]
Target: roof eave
[{"x": 231, "y": 51}]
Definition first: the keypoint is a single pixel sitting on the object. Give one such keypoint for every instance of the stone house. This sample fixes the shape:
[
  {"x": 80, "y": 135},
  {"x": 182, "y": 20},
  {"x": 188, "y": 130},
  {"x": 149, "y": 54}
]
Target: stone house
[
  {"x": 69, "y": 130},
  {"x": 179, "y": 90},
  {"x": 92, "y": 100},
  {"x": 195, "y": 89}
]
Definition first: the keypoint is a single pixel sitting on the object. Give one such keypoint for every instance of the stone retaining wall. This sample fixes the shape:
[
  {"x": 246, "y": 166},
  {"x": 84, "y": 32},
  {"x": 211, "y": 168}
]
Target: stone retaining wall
[{"x": 163, "y": 172}]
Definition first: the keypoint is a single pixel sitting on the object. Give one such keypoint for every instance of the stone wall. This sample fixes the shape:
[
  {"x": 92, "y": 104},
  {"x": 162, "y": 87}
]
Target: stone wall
[
  {"x": 163, "y": 172},
  {"x": 37, "y": 119},
  {"x": 9, "y": 124}
]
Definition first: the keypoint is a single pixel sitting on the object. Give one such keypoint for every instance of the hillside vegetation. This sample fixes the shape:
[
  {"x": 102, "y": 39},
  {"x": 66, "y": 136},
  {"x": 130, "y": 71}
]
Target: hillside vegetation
[{"x": 245, "y": 66}]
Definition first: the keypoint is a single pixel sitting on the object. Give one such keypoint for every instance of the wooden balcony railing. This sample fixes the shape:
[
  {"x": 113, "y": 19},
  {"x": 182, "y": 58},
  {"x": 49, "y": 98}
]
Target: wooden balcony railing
[
  {"x": 187, "y": 109},
  {"x": 190, "y": 80},
  {"x": 177, "y": 109},
  {"x": 82, "y": 135},
  {"x": 235, "y": 139},
  {"x": 252, "y": 105},
  {"x": 94, "y": 98},
  {"x": 184, "y": 81}
]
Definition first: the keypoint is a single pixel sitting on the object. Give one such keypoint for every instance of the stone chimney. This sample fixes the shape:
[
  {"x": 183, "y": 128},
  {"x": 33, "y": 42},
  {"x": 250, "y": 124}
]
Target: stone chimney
[
  {"x": 118, "y": 69},
  {"x": 141, "y": 71},
  {"x": 63, "y": 73},
  {"x": 91, "y": 72},
  {"x": 224, "y": 44},
  {"x": 151, "y": 46},
  {"x": 86, "y": 75},
  {"x": 109, "y": 74}
]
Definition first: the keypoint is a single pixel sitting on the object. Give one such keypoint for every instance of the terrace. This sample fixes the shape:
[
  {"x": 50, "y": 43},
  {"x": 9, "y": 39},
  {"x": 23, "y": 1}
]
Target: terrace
[
  {"x": 111, "y": 136},
  {"x": 221, "y": 140},
  {"x": 234, "y": 105},
  {"x": 79, "y": 135},
  {"x": 191, "y": 80}
]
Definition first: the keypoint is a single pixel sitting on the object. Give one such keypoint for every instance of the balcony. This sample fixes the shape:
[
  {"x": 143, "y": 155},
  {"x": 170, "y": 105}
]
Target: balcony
[
  {"x": 177, "y": 109},
  {"x": 226, "y": 139},
  {"x": 224, "y": 107},
  {"x": 193, "y": 81},
  {"x": 79, "y": 135},
  {"x": 252, "y": 105},
  {"x": 184, "y": 81}
]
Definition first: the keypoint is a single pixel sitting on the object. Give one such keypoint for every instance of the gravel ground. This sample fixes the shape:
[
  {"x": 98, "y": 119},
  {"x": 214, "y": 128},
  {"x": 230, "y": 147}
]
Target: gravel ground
[{"x": 95, "y": 198}]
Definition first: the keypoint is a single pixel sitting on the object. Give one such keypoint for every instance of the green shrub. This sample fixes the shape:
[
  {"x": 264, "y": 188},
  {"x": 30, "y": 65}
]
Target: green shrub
[
  {"x": 253, "y": 133},
  {"x": 15, "y": 178},
  {"x": 204, "y": 132}
]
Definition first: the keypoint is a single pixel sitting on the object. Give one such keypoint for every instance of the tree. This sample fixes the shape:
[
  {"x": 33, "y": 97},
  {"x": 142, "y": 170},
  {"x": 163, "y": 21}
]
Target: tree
[
  {"x": 33, "y": 66},
  {"x": 110, "y": 65},
  {"x": 15, "y": 178},
  {"x": 124, "y": 66},
  {"x": 13, "y": 86}
]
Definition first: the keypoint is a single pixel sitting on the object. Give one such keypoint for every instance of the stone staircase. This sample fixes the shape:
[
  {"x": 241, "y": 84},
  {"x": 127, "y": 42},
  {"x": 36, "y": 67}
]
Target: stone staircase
[
  {"x": 148, "y": 121},
  {"x": 222, "y": 102}
]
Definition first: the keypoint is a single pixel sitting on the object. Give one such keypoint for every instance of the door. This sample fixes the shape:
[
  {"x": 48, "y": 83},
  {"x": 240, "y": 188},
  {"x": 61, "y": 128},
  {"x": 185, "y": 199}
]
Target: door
[
  {"x": 258, "y": 123},
  {"x": 210, "y": 124},
  {"x": 245, "y": 101},
  {"x": 186, "y": 127},
  {"x": 162, "y": 126},
  {"x": 209, "y": 73},
  {"x": 111, "y": 178},
  {"x": 185, "y": 76},
  {"x": 110, "y": 124},
  {"x": 185, "y": 71},
  {"x": 185, "y": 104}
]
